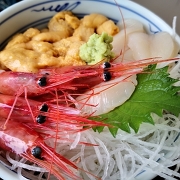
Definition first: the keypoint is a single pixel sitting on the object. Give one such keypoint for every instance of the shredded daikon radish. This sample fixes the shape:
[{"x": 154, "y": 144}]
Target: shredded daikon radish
[
  {"x": 20, "y": 175},
  {"x": 76, "y": 141},
  {"x": 174, "y": 33},
  {"x": 153, "y": 149},
  {"x": 174, "y": 26},
  {"x": 22, "y": 163}
]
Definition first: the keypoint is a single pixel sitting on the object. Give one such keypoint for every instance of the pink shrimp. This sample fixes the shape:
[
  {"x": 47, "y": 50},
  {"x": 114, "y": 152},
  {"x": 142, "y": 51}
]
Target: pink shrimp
[
  {"x": 27, "y": 143},
  {"x": 49, "y": 115},
  {"x": 71, "y": 78}
]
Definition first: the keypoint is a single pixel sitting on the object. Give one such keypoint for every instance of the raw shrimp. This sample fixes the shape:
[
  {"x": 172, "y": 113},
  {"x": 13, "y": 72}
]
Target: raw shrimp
[
  {"x": 25, "y": 142},
  {"x": 46, "y": 114},
  {"x": 74, "y": 78}
]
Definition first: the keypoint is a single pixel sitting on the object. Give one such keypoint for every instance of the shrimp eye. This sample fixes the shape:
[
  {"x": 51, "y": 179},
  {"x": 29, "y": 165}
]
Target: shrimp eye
[
  {"x": 107, "y": 76},
  {"x": 41, "y": 119},
  {"x": 42, "y": 81},
  {"x": 106, "y": 65},
  {"x": 44, "y": 108},
  {"x": 36, "y": 152}
]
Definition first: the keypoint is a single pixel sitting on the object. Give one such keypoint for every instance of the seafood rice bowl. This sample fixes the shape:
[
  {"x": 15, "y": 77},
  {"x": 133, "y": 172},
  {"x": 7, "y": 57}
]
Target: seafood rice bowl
[{"x": 90, "y": 89}]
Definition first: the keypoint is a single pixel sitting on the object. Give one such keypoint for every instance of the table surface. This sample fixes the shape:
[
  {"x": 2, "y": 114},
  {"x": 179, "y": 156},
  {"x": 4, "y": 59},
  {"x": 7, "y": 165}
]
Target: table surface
[{"x": 166, "y": 9}]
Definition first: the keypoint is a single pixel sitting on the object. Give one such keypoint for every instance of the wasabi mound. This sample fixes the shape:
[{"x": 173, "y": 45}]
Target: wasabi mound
[{"x": 98, "y": 48}]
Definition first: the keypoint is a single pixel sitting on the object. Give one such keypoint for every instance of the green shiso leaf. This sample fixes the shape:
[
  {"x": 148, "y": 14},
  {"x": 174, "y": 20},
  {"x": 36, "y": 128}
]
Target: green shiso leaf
[{"x": 153, "y": 94}]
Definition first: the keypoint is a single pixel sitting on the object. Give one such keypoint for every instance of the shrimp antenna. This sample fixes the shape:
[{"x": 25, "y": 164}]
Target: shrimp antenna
[
  {"x": 56, "y": 135},
  {"x": 21, "y": 91},
  {"x": 124, "y": 25}
]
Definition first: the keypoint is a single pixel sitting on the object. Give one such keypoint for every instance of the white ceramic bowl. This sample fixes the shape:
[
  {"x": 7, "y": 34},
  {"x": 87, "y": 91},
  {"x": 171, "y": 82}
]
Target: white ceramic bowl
[{"x": 33, "y": 13}]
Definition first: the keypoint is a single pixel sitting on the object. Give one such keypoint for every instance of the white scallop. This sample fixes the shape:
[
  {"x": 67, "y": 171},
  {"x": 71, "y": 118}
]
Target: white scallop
[
  {"x": 127, "y": 27},
  {"x": 139, "y": 43},
  {"x": 163, "y": 46},
  {"x": 106, "y": 96}
]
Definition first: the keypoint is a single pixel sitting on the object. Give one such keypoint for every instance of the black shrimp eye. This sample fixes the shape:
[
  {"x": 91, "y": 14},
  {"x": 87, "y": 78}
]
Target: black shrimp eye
[
  {"x": 107, "y": 76},
  {"x": 40, "y": 119},
  {"x": 44, "y": 108},
  {"x": 106, "y": 65},
  {"x": 36, "y": 152},
  {"x": 42, "y": 81}
]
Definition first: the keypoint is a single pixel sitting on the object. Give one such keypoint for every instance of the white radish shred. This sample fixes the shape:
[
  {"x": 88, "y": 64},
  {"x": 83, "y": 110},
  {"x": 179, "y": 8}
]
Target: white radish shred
[
  {"x": 174, "y": 33},
  {"x": 153, "y": 148},
  {"x": 20, "y": 175},
  {"x": 174, "y": 26},
  {"x": 133, "y": 154},
  {"x": 22, "y": 163},
  {"x": 76, "y": 141}
]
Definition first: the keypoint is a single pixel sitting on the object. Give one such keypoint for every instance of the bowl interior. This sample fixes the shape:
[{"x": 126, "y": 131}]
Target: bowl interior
[{"x": 26, "y": 14}]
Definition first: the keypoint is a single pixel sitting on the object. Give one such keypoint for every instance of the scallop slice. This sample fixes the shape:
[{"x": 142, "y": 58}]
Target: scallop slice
[
  {"x": 131, "y": 24},
  {"x": 127, "y": 27},
  {"x": 140, "y": 45},
  {"x": 128, "y": 57},
  {"x": 163, "y": 46},
  {"x": 107, "y": 96}
]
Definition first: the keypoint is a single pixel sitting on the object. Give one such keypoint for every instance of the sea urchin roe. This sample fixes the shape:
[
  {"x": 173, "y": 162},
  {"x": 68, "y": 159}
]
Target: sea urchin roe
[
  {"x": 100, "y": 23},
  {"x": 56, "y": 45}
]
